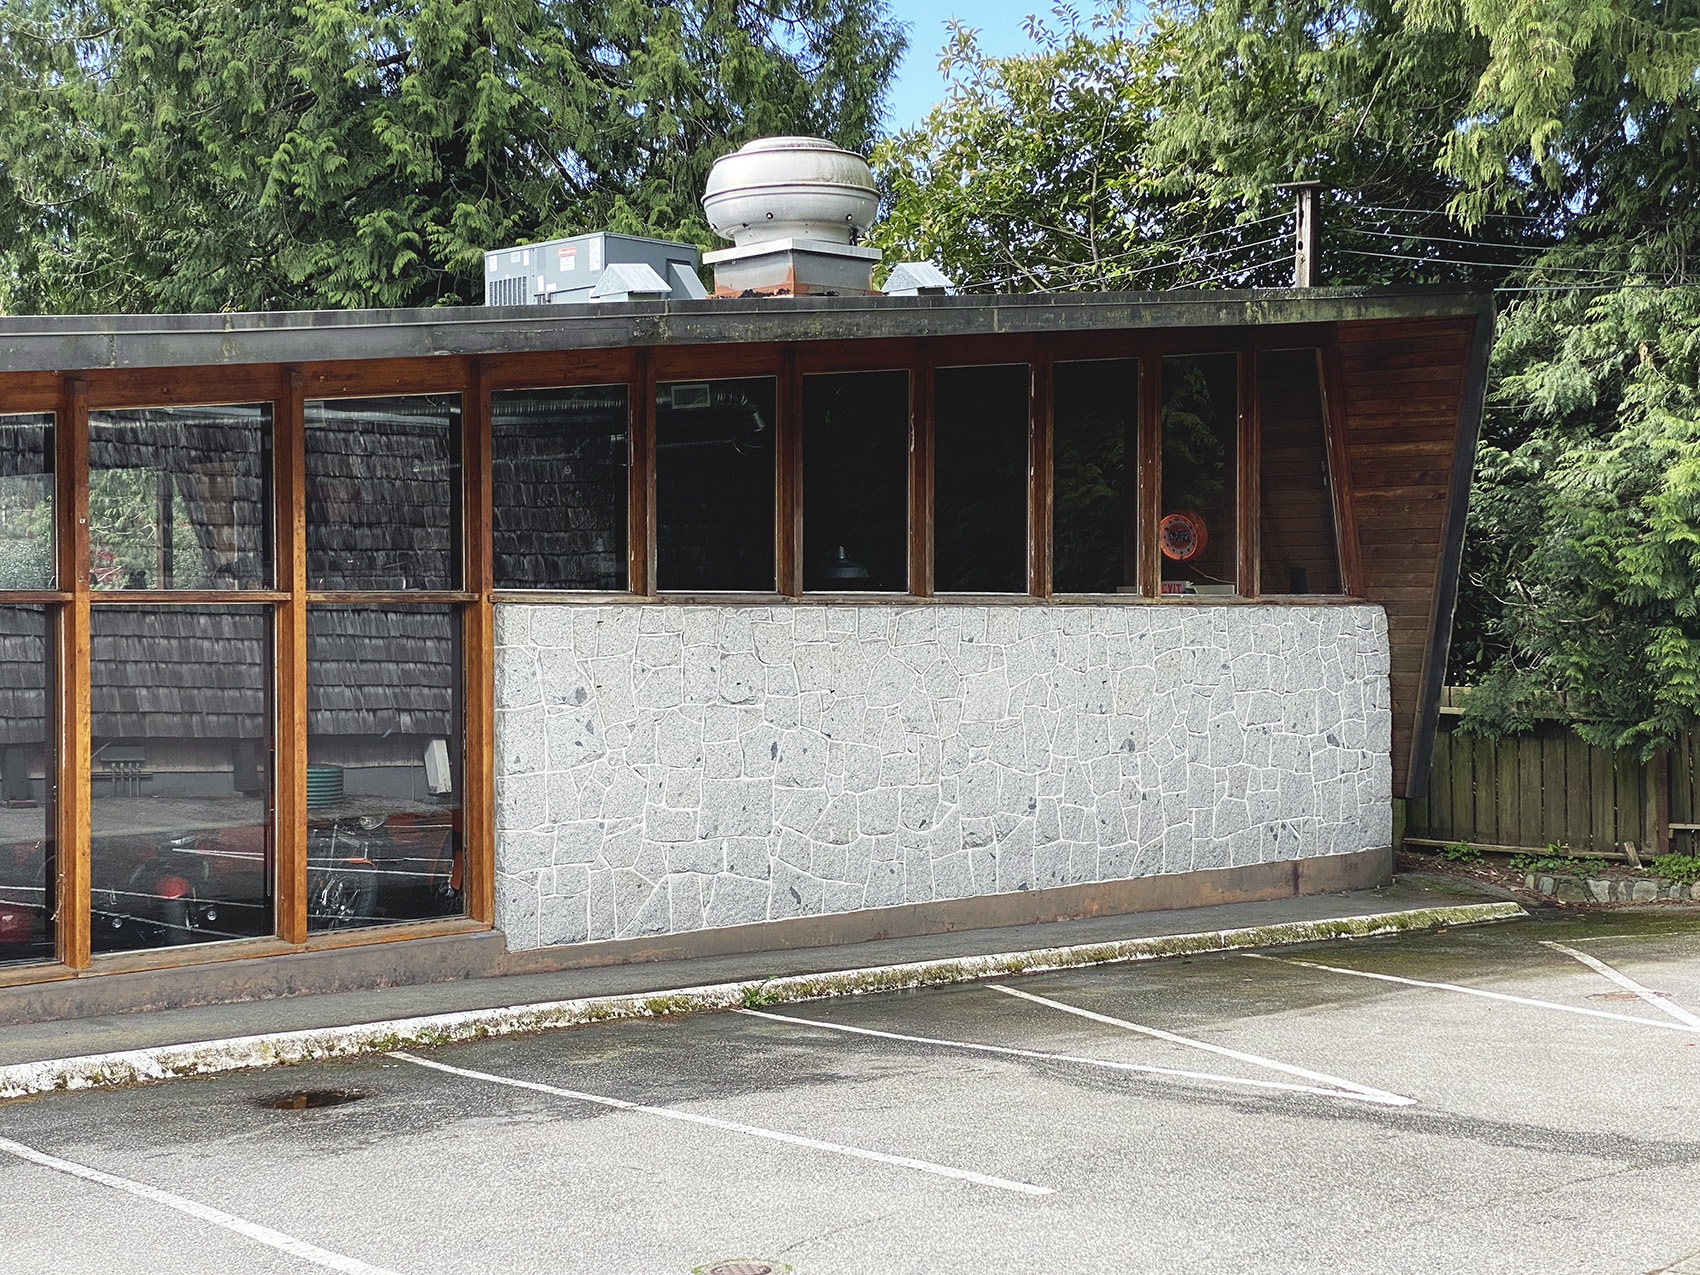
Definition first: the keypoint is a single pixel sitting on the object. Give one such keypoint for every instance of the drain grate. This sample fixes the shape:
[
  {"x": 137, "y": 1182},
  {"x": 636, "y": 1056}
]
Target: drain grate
[
  {"x": 311, "y": 1099},
  {"x": 738, "y": 1268}
]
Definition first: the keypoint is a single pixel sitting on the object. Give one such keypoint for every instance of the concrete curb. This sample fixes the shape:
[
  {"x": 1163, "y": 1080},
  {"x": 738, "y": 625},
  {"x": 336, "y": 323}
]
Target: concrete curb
[{"x": 164, "y": 1062}]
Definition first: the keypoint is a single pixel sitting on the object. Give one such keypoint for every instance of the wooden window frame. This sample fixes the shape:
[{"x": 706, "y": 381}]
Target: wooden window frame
[{"x": 70, "y": 605}]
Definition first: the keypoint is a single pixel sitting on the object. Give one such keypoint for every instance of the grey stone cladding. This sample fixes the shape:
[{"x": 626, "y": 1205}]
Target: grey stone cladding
[{"x": 662, "y": 768}]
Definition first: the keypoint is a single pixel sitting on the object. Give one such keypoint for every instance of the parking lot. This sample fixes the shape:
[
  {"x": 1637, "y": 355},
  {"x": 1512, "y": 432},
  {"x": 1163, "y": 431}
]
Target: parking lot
[{"x": 1523, "y": 1096}]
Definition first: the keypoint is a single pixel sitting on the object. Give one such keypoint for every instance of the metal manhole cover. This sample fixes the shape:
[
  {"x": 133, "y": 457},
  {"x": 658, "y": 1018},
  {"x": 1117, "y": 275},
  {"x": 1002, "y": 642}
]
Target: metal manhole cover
[
  {"x": 1618, "y": 996},
  {"x": 312, "y": 1099}
]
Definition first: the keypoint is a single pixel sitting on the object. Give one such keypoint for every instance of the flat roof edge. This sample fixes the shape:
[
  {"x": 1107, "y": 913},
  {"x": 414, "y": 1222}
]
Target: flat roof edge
[{"x": 62, "y": 343}]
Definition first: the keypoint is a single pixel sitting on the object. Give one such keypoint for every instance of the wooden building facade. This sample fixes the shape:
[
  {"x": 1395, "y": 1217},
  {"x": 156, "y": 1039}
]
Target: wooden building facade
[{"x": 272, "y": 587}]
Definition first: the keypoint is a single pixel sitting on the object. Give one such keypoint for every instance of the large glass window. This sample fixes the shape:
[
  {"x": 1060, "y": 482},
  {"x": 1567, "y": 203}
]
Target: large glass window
[
  {"x": 182, "y": 787},
  {"x": 714, "y": 485},
  {"x": 26, "y": 764},
  {"x": 856, "y": 482},
  {"x": 26, "y": 501},
  {"x": 560, "y": 462},
  {"x": 1200, "y": 462},
  {"x": 1095, "y": 497},
  {"x": 384, "y": 764},
  {"x": 980, "y": 419},
  {"x": 179, "y": 497},
  {"x": 1296, "y": 538},
  {"x": 383, "y": 493}
]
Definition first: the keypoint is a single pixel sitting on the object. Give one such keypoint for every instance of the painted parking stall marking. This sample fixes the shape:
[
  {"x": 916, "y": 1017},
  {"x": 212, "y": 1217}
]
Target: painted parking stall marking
[
  {"x": 1342, "y": 1088},
  {"x": 1478, "y": 991},
  {"x": 205, "y": 1212},
  {"x": 1658, "y": 1000},
  {"x": 1354, "y": 1095},
  {"x": 733, "y": 1126}
]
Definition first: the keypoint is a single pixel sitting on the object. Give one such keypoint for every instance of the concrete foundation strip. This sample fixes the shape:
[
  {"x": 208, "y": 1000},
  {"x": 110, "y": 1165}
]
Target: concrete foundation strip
[{"x": 271, "y": 1049}]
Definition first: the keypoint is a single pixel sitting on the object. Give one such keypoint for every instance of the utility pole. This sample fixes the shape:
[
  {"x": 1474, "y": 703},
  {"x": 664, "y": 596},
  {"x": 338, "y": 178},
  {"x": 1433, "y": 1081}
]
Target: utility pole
[{"x": 1307, "y": 223}]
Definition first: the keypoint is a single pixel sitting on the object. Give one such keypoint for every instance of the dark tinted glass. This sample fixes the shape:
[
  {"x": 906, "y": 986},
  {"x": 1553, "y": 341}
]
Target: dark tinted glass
[
  {"x": 1095, "y": 502},
  {"x": 383, "y": 484},
  {"x": 714, "y": 479},
  {"x": 26, "y": 761},
  {"x": 181, "y": 785},
  {"x": 1296, "y": 539},
  {"x": 384, "y": 764},
  {"x": 980, "y": 478},
  {"x": 1200, "y": 459},
  {"x": 559, "y": 470},
  {"x": 856, "y": 482},
  {"x": 26, "y": 502},
  {"x": 179, "y": 497}
]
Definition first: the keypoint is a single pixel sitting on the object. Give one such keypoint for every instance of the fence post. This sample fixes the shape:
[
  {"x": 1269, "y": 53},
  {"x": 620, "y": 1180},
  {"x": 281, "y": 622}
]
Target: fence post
[{"x": 1658, "y": 804}]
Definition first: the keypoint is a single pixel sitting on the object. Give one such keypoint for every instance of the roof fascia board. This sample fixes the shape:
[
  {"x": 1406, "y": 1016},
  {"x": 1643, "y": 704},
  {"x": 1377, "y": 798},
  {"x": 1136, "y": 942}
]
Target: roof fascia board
[{"x": 88, "y": 342}]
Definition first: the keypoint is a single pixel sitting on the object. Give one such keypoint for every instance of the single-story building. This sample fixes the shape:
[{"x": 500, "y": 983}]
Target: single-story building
[{"x": 425, "y": 643}]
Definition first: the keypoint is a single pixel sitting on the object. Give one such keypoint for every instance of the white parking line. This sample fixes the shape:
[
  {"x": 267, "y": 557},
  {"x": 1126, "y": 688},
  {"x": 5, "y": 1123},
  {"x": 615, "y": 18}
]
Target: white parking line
[
  {"x": 1477, "y": 991},
  {"x": 1658, "y": 1000},
  {"x": 732, "y": 1126},
  {"x": 1334, "y": 1082},
  {"x": 194, "y": 1208},
  {"x": 1354, "y": 1095}
]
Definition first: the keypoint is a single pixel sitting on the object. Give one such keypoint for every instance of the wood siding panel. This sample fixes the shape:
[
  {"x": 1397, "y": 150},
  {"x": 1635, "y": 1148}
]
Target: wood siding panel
[{"x": 1403, "y": 386}]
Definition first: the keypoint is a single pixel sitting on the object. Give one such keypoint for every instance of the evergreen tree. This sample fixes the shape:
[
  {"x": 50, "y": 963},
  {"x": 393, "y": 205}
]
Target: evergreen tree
[{"x": 256, "y": 154}]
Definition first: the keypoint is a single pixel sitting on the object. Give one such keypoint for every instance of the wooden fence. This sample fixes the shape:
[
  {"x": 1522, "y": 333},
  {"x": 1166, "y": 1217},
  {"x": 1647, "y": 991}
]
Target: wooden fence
[{"x": 1549, "y": 788}]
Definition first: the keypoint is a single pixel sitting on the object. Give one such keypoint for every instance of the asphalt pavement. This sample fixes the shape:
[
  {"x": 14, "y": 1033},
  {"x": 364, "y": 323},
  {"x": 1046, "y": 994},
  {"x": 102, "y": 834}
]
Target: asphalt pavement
[{"x": 1512, "y": 1097}]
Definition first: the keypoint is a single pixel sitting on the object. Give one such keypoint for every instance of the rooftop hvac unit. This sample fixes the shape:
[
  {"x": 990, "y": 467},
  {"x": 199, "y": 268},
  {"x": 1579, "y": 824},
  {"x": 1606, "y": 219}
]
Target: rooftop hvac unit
[{"x": 571, "y": 271}]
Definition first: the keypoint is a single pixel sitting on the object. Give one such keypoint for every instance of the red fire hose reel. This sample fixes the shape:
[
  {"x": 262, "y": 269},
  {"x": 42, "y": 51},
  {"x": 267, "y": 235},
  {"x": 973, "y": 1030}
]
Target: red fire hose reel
[{"x": 1182, "y": 536}]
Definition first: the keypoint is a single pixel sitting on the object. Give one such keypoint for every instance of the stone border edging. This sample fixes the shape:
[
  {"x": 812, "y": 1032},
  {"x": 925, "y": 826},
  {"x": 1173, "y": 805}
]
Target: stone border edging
[
  {"x": 1569, "y": 888},
  {"x": 317, "y": 1044}
]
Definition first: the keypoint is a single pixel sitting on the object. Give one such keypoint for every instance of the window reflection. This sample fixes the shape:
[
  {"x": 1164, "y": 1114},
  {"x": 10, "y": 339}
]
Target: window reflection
[
  {"x": 179, "y": 497},
  {"x": 1095, "y": 450},
  {"x": 1200, "y": 458},
  {"x": 383, "y": 482},
  {"x": 181, "y": 780},
  {"x": 856, "y": 482},
  {"x": 559, "y": 461},
  {"x": 714, "y": 485},
  {"x": 980, "y": 417},
  {"x": 384, "y": 765},
  {"x": 26, "y": 501},
  {"x": 26, "y": 761},
  {"x": 1296, "y": 540}
]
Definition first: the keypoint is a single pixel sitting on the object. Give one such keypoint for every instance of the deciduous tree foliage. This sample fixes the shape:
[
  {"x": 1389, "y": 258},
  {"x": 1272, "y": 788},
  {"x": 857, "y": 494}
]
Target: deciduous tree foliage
[
  {"x": 1548, "y": 148},
  {"x": 254, "y": 154}
]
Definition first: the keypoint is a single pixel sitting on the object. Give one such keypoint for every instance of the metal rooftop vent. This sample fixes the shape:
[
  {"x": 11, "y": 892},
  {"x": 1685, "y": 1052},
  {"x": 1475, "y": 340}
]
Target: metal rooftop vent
[
  {"x": 594, "y": 267},
  {"x": 795, "y": 209},
  {"x": 917, "y": 279}
]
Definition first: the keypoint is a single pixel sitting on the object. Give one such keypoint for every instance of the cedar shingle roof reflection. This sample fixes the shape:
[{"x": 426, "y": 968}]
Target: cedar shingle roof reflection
[{"x": 379, "y": 492}]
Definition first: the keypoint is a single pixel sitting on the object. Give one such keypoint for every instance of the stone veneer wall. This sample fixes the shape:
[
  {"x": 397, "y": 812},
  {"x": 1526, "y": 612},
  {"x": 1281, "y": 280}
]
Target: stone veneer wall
[{"x": 662, "y": 768}]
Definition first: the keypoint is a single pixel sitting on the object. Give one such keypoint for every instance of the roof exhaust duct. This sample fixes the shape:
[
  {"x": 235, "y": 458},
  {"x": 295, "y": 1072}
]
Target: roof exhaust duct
[{"x": 795, "y": 209}]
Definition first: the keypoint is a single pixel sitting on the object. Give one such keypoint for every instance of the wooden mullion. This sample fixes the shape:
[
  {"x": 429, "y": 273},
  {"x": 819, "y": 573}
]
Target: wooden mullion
[
  {"x": 640, "y": 511},
  {"x": 1040, "y": 439},
  {"x": 478, "y": 654},
  {"x": 921, "y": 472},
  {"x": 788, "y": 500},
  {"x": 1332, "y": 384},
  {"x": 168, "y": 597},
  {"x": 289, "y": 450},
  {"x": 71, "y": 815},
  {"x": 1150, "y": 483},
  {"x": 1249, "y": 460},
  {"x": 392, "y": 597}
]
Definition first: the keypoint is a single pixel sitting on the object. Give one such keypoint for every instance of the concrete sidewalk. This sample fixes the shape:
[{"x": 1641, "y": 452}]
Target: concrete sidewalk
[{"x": 1081, "y": 942}]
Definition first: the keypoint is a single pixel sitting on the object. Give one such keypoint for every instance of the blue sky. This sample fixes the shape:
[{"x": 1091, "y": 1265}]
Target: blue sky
[{"x": 1001, "y": 24}]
